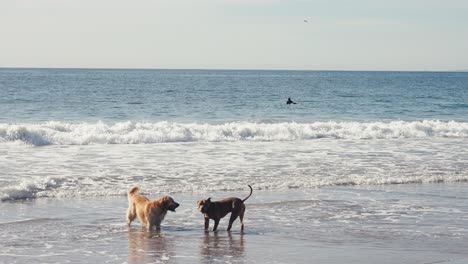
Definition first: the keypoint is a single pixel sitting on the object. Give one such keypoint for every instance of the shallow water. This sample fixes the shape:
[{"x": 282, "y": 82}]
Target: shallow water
[
  {"x": 389, "y": 224},
  {"x": 109, "y": 170}
]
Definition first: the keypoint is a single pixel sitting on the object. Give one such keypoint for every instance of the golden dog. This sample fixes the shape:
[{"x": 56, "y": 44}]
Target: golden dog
[{"x": 149, "y": 213}]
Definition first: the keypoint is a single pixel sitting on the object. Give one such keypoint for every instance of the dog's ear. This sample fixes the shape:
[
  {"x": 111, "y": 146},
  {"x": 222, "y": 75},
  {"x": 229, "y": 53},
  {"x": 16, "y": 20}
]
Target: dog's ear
[{"x": 209, "y": 199}]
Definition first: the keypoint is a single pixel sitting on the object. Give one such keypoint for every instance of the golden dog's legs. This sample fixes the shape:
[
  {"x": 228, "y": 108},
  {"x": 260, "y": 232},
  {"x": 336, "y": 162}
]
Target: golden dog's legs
[
  {"x": 151, "y": 221},
  {"x": 149, "y": 224},
  {"x": 149, "y": 227},
  {"x": 131, "y": 214}
]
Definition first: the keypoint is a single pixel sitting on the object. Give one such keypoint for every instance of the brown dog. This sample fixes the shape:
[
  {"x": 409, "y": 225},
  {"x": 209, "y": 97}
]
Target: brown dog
[
  {"x": 219, "y": 209},
  {"x": 150, "y": 213}
]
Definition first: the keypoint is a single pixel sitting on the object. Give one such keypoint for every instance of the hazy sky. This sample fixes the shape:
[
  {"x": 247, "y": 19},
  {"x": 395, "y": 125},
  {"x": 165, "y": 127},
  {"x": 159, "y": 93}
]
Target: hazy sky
[{"x": 236, "y": 34}]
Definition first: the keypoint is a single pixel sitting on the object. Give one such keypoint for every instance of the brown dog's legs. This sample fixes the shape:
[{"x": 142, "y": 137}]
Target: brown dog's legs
[
  {"x": 207, "y": 223},
  {"x": 233, "y": 218},
  {"x": 216, "y": 224},
  {"x": 241, "y": 217}
]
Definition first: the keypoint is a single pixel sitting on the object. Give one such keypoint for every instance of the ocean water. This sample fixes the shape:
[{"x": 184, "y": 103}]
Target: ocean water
[
  {"x": 85, "y": 132},
  {"x": 372, "y": 162}
]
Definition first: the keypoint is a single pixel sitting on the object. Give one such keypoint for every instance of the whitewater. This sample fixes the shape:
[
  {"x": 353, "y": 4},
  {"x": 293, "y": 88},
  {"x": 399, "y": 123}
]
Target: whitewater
[
  {"x": 84, "y": 159},
  {"x": 61, "y": 133},
  {"x": 71, "y": 166}
]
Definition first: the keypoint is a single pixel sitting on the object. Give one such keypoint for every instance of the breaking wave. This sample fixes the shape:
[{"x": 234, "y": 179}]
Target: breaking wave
[
  {"x": 61, "y": 133},
  {"x": 54, "y": 187},
  {"x": 31, "y": 188}
]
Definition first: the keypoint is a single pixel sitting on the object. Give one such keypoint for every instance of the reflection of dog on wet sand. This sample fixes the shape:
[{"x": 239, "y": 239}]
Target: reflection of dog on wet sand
[
  {"x": 221, "y": 248},
  {"x": 149, "y": 213},
  {"x": 219, "y": 209},
  {"x": 149, "y": 247}
]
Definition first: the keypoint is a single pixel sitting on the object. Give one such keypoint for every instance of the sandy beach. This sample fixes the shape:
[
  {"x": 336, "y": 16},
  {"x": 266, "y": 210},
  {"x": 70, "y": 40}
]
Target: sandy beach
[{"x": 385, "y": 224}]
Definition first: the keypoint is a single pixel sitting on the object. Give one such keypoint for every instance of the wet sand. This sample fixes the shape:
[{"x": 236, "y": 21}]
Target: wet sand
[{"x": 425, "y": 223}]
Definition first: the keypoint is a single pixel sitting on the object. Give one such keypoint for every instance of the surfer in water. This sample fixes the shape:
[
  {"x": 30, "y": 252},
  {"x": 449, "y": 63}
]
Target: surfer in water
[{"x": 290, "y": 101}]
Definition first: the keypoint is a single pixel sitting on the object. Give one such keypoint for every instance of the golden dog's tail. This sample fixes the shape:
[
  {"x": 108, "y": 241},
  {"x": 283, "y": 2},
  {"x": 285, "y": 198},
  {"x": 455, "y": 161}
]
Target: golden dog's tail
[
  {"x": 133, "y": 191},
  {"x": 251, "y": 191}
]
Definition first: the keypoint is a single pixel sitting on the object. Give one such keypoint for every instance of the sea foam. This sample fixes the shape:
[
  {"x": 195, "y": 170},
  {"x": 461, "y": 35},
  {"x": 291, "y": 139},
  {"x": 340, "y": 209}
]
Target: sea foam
[
  {"x": 69, "y": 187},
  {"x": 62, "y": 133},
  {"x": 31, "y": 188}
]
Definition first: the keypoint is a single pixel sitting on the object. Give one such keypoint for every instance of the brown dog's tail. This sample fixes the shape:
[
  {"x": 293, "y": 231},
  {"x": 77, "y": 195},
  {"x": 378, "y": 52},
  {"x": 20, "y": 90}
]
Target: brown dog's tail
[
  {"x": 133, "y": 191},
  {"x": 251, "y": 191}
]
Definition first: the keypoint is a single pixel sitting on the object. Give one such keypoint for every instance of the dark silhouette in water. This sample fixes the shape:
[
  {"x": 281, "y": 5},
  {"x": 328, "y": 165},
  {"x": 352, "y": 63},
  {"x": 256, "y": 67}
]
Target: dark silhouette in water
[{"x": 290, "y": 101}]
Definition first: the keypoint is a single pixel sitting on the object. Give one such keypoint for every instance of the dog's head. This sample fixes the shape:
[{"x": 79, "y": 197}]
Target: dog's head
[
  {"x": 169, "y": 203},
  {"x": 203, "y": 205}
]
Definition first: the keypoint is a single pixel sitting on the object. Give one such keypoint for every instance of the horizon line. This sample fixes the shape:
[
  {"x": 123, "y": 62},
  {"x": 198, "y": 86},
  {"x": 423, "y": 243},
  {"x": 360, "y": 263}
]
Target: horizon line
[{"x": 226, "y": 69}]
